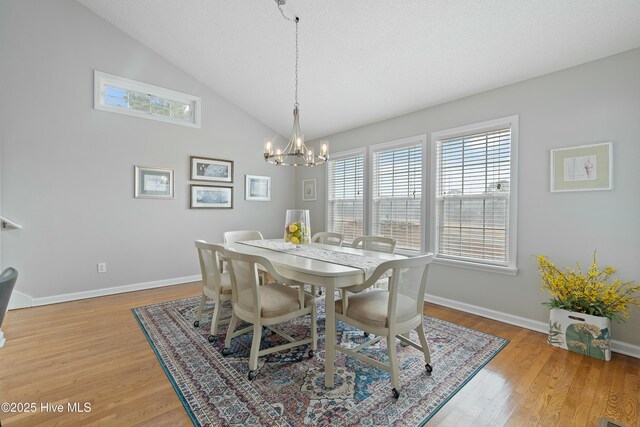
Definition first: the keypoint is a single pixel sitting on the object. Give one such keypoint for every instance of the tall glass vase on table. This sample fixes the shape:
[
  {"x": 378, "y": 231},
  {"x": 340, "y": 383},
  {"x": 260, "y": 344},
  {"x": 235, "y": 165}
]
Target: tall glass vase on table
[{"x": 297, "y": 227}]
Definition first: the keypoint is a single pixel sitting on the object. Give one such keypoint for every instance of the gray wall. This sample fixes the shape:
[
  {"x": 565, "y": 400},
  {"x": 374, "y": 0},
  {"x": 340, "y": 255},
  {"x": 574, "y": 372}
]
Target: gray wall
[
  {"x": 67, "y": 169},
  {"x": 594, "y": 102}
]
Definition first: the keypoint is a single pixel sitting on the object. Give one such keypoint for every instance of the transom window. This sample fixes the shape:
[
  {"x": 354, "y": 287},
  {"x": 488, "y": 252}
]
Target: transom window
[{"x": 120, "y": 95}]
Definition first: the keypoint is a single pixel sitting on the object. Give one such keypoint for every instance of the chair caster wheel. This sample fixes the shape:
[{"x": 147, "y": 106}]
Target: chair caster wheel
[
  {"x": 211, "y": 338},
  {"x": 366, "y": 334},
  {"x": 319, "y": 292},
  {"x": 395, "y": 392},
  {"x": 196, "y": 323},
  {"x": 311, "y": 354},
  {"x": 225, "y": 351},
  {"x": 252, "y": 375},
  {"x": 429, "y": 369}
]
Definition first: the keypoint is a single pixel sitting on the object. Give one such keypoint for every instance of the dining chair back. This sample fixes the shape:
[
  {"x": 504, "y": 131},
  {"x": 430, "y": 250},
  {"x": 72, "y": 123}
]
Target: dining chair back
[
  {"x": 216, "y": 284},
  {"x": 328, "y": 238},
  {"x": 391, "y": 313},
  {"x": 265, "y": 305},
  {"x": 7, "y": 282},
  {"x": 240, "y": 235},
  {"x": 374, "y": 243}
]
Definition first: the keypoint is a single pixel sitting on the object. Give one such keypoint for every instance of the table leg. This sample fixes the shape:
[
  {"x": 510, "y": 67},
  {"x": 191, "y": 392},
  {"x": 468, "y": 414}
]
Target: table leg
[{"x": 329, "y": 335}]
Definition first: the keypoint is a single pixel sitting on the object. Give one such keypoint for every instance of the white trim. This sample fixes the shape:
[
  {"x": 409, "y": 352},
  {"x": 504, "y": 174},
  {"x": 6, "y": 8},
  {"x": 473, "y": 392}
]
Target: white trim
[
  {"x": 522, "y": 322},
  {"x": 101, "y": 78},
  {"x": 54, "y": 299},
  {"x": 19, "y": 300},
  {"x": 398, "y": 143},
  {"x": 512, "y": 122},
  {"x": 489, "y": 268},
  {"x": 2, "y": 339}
]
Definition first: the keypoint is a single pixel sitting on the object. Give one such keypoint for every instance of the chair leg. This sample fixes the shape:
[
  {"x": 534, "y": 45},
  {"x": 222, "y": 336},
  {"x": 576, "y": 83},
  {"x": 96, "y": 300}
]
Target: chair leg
[
  {"x": 313, "y": 290},
  {"x": 314, "y": 330},
  {"x": 255, "y": 347},
  {"x": 215, "y": 318},
  {"x": 393, "y": 361},
  {"x": 425, "y": 348},
  {"x": 232, "y": 327},
  {"x": 203, "y": 300}
]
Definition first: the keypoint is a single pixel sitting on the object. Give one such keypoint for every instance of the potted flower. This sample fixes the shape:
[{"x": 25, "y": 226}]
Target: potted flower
[{"x": 583, "y": 304}]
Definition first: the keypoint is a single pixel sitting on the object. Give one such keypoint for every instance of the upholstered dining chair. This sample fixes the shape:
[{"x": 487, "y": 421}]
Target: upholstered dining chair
[
  {"x": 265, "y": 305},
  {"x": 239, "y": 235},
  {"x": 326, "y": 238},
  {"x": 378, "y": 244},
  {"x": 374, "y": 243},
  {"x": 216, "y": 284},
  {"x": 390, "y": 313}
]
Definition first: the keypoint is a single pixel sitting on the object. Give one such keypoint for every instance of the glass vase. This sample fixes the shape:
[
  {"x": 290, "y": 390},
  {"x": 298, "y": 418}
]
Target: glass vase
[{"x": 297, "y": 227}]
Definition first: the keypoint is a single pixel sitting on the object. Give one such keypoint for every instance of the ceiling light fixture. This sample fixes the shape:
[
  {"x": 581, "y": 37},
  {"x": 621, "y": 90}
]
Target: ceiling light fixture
[{"x": 296, "y": 152}]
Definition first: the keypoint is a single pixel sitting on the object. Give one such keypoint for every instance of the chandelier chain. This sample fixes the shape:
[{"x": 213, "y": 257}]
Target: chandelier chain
[{"x": 296, "y": 20}]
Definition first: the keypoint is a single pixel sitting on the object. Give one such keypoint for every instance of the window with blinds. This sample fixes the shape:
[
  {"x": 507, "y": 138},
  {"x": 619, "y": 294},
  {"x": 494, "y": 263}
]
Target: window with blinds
[
  {"x": 473, "y": 180},
  {"x": 345, "y": 196},
  {"x": 397, "y": 195}
]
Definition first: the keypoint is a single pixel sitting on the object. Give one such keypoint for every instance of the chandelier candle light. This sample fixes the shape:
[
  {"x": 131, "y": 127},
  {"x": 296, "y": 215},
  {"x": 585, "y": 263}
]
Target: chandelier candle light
[{"x": 296, "y": 152}]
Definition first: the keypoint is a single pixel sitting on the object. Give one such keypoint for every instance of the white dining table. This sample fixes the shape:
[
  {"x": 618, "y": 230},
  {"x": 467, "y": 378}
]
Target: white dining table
[{"x": 329, "y": 275}]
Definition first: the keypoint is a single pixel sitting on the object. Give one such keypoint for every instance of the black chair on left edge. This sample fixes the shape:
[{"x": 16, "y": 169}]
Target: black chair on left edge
[{"x": 7, "y": 282}]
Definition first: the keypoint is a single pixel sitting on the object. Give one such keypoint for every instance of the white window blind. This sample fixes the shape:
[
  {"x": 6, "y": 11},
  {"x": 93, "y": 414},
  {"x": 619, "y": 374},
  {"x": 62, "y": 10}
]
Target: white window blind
[
  {"x": 345, "y": 196},
  {"x": 473, "y": 177},
  {"x": 397, "y": 195}
]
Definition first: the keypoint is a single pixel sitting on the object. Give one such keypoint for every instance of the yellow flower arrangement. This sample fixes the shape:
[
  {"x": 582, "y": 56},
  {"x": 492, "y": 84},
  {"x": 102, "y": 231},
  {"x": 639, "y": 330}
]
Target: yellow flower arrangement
[{"x": 589, "y": 292}]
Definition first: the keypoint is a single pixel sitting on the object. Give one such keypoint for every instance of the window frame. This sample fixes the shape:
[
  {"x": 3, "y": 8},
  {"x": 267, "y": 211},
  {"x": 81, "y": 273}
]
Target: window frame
[
  {"x": 361, "y": 151},
  {"x": 501, "y": 123},
  {"x": 100, "y": 79},
  {"x": 390, "y": 145}
]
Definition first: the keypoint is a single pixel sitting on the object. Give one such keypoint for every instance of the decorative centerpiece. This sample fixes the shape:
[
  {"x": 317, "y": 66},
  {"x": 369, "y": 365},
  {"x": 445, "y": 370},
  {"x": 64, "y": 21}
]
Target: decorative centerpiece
[
  {"x": 583, "y": 305},
  {"x": 297, "y": 227}
]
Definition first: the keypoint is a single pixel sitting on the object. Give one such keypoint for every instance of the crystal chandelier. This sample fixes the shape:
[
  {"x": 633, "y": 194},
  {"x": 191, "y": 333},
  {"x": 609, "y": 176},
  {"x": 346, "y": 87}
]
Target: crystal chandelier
[{"x": 296, "y": 152}]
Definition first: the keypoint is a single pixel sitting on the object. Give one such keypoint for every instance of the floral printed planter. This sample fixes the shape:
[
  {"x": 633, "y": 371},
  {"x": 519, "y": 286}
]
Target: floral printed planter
[{"x": 581, "y": 333}]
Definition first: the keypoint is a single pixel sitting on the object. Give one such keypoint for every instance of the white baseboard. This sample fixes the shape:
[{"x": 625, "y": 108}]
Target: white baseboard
[
  {"x": 534, "y": 325},
  {"x": 19, "y": 300},
  {"x": 54, "y": 299},
  {"x": 23, "y": 300},
  {"x": 2, "y": 339}
]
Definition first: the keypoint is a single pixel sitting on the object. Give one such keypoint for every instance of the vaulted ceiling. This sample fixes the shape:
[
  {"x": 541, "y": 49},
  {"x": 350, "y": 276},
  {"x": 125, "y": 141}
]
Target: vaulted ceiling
[{"x": 363, "y": 61}]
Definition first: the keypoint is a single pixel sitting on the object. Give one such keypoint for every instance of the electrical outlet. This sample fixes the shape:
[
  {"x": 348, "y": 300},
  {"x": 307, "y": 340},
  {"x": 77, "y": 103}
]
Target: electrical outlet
[{"x": 102, "y": 267}]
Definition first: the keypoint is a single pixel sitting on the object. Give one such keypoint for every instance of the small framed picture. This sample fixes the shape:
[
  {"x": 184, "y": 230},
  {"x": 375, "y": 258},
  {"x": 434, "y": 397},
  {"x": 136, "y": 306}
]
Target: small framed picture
[
  {"x": 153, "y": 183},
  {"x": 308, "y": 190},
  {"x": 257, "y": 188},
  {"x": 582, "y": 168},
  {"x": 205, "y": 169},
  {"x": 211, "y": 197}
]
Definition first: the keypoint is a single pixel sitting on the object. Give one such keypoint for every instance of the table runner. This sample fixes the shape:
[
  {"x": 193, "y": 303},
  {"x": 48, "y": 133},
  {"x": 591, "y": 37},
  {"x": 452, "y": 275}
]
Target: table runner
[{"x": 365, "y": 263}]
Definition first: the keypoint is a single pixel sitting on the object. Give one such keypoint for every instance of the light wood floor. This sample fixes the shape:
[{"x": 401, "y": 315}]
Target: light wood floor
[{"x": 94, "y": 351}]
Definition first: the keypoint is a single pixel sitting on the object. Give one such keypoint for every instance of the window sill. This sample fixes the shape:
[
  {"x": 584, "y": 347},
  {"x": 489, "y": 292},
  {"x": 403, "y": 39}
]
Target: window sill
[{"x": 509, "y": 271}]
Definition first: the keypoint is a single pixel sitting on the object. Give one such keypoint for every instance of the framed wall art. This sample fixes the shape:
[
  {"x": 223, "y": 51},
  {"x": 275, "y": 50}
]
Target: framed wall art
[
  {"x": 153, "y": 183},
  {"x": 308, "y": 190},
  {"x": 257, "y": 188},
  {"x": 582, "y": 168},
  {"x": 206, "y": 169},
  {"x": 211, "y": 197}
]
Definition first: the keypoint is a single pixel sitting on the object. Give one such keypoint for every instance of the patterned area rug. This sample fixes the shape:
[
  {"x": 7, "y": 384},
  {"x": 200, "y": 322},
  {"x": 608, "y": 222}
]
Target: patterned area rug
[{"x": 289, "y": 389}]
